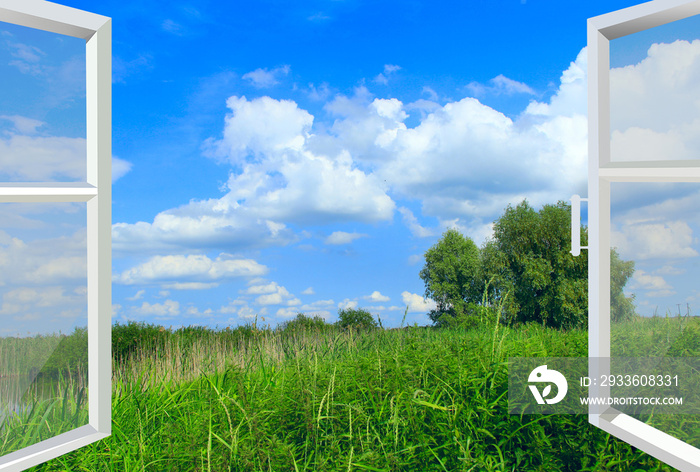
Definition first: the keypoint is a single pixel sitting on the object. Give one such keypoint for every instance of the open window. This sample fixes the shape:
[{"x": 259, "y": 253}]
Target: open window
[
  {"x": 55, "y": 247},
  {"x": 643, "y": 190}
]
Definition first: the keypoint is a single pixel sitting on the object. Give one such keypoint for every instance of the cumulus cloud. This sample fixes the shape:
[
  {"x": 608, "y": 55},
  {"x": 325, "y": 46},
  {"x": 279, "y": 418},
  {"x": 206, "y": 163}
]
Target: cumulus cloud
[
  {"x": 571, "y": 98},
  {"x": 500, "y": 85},
  {"x": 169, "y": 308},
  {"x": 654, "y": 104},
  {"x": 341, "y": 237},
  {"x": 29, "y": 157},
  {"x": 653, "y": 285},
  {"x": 272, "y": 294},
  {"x": 643, "y": 240},
  {"x": 347, "y": 304},
  {"x": 189, "y": 272},
  {"x": 376, "y": 296},
  {"x": 260, "y": 127},
  {"x": 39, "y": 158},
  {"x": 263, "y": 78},
  {"x": 464, "y": 162},
  {"x": 416, "y": 303},
  {"x": 43, "y": 261},
  {"x": 25, "y": 299}
]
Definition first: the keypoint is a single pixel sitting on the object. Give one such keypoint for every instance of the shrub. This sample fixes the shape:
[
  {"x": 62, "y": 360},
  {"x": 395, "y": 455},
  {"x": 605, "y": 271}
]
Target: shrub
[
  {"x": 356, "y": 318},
  {"x": 304, "y": 323}
]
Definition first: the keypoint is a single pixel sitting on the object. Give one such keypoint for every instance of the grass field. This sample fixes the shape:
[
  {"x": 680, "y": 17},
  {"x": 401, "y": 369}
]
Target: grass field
[{"x": 414, "y": 399}]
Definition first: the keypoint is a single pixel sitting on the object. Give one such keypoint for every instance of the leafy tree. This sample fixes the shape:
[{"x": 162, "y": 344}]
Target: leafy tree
[
  {"x": 526, "y": 270},
  {"x": 303, "y": 322},
  {"x": 621, "y": 307},
  {"x": 529, "y": 258},
  {"x": 356, "y": 318},
  {"x": 452, "y": 276}
]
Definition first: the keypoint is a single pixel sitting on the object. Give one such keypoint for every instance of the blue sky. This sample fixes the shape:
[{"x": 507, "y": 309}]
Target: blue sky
[{"x": 275, "y": 157}]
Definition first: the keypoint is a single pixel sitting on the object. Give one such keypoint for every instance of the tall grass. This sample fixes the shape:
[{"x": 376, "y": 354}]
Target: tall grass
[{"x": 342, "y": 400}]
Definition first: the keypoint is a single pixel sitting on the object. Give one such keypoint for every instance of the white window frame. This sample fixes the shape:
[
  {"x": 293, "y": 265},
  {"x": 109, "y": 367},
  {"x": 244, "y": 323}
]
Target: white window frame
[
  {"x": 96, "y": 30},
  {"x": 601, "y": 172}
]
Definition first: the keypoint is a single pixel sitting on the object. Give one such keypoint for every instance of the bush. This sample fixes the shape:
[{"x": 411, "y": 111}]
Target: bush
[
  {"x": 304, "y": 323},
  {"x": 356, "y": 318}
]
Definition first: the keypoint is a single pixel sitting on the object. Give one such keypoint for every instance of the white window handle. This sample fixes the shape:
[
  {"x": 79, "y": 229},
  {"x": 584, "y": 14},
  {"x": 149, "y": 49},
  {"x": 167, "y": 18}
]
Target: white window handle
[{"x": 576, "y": 225}]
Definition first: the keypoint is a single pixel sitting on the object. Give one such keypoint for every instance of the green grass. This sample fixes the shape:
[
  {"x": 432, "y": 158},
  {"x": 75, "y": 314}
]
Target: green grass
[{"x": 329, "y": 400}]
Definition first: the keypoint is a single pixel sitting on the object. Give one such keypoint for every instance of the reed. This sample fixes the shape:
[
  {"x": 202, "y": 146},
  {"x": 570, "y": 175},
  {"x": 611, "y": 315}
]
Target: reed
[{"x": 329, "y": 400}]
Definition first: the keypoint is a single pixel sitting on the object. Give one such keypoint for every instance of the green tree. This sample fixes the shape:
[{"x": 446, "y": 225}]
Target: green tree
[
  {"x": 452, "y": 276},
  {"x": 621, "y": 306},
  {"x": 526, "y": 270},
  {"x": 529, "y": 259},
  {"x": 356, "y": 318},
  {"x": 303, "y": 322}
]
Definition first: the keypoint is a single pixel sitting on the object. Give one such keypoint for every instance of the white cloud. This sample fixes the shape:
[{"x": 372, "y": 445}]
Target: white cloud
[
  {"x": 571, "y": 96},
  {"x": 376, "y": 296},
  {"x": 660, "y": 92},
  {"x": 287, "y": 312},
  {"x": 347, "y": 304},
  {"x": 500, "y": 85},
  {"x": 190, "y": 285},
  {"x": 654, "y": 285},
  {"x": 643, "y": 240},
  {"x": 263, "y": 78},
  {"x": 25, "y": 299},
  {"x": 464, "y": 162},
  {"x": 38, "y": 158},
  {"x": 431, "y": 94},
  {"x": 27, "y": 58},
  {"x": 308, "y": 291},
  {"x": 262, "y": 126},
  {"x": 242, "y": 312},
  {"x": 59, "y": 260},
  {"x": 192, "y": 271},
  {"x": 166, "y": 309},
  {"x": 27, "y": 157},
  {"x": 137, "y": 296},
  {"x": 389, "y": 70},
  {"x": 416, "y": 303},
  {"x": 341, "y": 237},
  {"x": 317, "y": 305},
  {"x": 272, "y": 294},
  {"x": 120, "y": 168},
  {"x": 411, "y": 222},
  {"x": 22, "y": 124}
]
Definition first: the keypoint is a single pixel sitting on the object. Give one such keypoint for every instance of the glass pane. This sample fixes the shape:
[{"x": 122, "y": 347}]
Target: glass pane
[
  {"x": 42, "y": 106},
  {"x": 43, "y": 322},
  {"x": 655, "y": 229},
  {"x": 655, "y": 93}
]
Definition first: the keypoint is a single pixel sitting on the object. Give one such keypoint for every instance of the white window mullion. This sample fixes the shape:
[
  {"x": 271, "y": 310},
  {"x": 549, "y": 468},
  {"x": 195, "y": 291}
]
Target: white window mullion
[
  {"x": 601, "y": 173},
  {"x": 96, "y": 30},
  {"x": 46, "y": 192}
]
